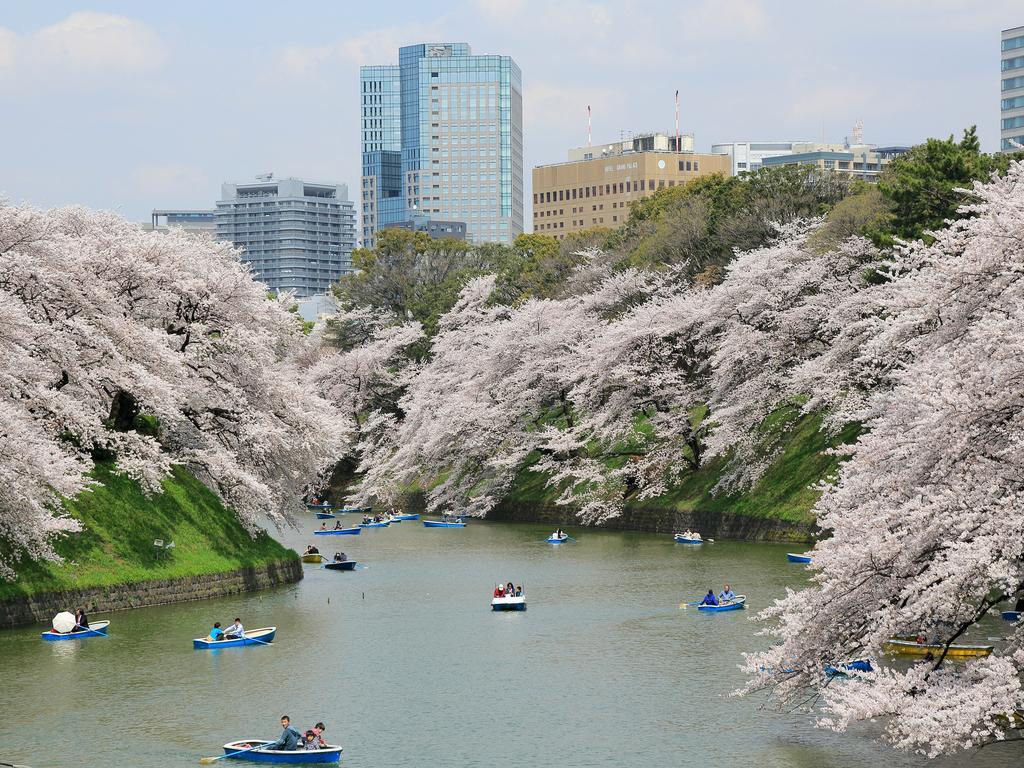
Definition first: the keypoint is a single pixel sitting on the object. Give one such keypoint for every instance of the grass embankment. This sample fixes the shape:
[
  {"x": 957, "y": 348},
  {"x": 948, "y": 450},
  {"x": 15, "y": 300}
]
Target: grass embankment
[
  {"x": 120, "y": 524},
  {"x": 785, "y": 492}
]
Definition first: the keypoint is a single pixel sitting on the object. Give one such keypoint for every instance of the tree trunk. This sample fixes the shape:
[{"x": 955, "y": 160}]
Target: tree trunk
[{"x": 123, "y": 411}]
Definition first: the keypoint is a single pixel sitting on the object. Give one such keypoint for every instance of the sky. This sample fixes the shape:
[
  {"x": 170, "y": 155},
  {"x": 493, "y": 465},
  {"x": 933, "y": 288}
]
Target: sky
[{"x": 131, "y": 106}]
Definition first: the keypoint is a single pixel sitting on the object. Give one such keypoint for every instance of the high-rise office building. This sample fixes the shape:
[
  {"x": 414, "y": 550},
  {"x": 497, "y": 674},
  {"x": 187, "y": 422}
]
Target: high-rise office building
[
  {"x": 1011, "y": 92},
  {"x": 297, "y": 236},
  {"x": 442, "y": 137}
]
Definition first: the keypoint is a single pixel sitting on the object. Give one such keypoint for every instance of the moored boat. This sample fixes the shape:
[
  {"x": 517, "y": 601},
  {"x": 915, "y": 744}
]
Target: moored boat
[
  {"x": 735, "y": 604},
  {"x": 683, "y": 539},
  {"x": 795, "y": 558},
  {"x": 914, "y": 648},
  {"x": 96, "y": 629},
  {"x": 314, "y": 557},
  {"x": 331, "y": 754},
  {"x": 339, "y": 532},
  {"x": 260, "y": 636},
  {"x": 325, "y": 515},
  {"x": 514, "y": 603},
  {"x": 1011, "y": 615},
  {"x": 444, "y": 524},
  {"x": 340, "y": 565}
]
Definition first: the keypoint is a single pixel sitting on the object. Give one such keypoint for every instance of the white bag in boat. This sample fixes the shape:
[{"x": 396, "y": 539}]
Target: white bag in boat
[{"x": 64, "y": 622}]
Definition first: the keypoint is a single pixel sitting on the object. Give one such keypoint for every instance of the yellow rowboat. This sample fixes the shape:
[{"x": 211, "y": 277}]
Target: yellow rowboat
[
  {"x": 312, "y": 558},
  {"x": 912, "y": 648}
]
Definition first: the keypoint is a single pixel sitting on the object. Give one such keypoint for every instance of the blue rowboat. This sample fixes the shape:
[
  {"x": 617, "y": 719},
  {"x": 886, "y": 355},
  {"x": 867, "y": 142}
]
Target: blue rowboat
[
  {"x": 794, "y": 558},
  {"x": 324, "y": 515},
  {"x": 340, "y": 565},
  {"x": 96, "y": 629},
  {"x": 443, "y": 524},
  {"x": 680, "y": 539},
  {"x": 364, "y": 510},
  {"x": 339, "y": 532},
  {"x": 1011, "y": 615},
  {"x": 383, "y": 524},
  {"x": 405, "y": 517},
  {"x": 332, "y": 754},
  {"x": 325, "y": 505},
  {"x": 260, "y": 636},
  {"x": 859, "y": 665},
  {"x": 509, "y": 603},
  {"x": 736, "y": 604},
  {"x": 552, "y": 539}
]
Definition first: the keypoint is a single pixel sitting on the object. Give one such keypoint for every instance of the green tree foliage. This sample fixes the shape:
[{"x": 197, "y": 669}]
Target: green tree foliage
[
  {"x": 923, "y": 184},
  {"x": 863, "y": 212}
]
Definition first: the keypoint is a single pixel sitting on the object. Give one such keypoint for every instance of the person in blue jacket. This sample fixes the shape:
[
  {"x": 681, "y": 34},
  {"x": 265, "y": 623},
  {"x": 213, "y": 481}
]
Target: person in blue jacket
[
  {"x": 727, "y": 594},
  {"x": 289, "y": 737},
  {"x": 709, "y": 598}
]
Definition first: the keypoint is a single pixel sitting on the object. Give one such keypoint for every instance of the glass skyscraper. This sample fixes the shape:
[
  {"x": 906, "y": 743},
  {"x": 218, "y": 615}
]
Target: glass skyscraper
[{"x": 442, "y": 137}]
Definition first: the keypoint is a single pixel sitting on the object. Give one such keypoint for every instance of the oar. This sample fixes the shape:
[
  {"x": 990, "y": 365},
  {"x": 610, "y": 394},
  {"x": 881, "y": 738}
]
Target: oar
[
  {"x": 208, "y": 760},
  {"x": 257, "y": 640},
  {"x": 694, "y": 603}
]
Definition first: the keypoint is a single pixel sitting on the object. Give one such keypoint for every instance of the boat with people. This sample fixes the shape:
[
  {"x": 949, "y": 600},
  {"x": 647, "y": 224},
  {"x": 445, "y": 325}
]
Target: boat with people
[
  {"x": 736, "y": 603},
  {"x": 508, "y": 597},
  {"x": 243, "y": 750},
  {"x": 311, "y": 555},
  {"x": 1011, "y": 615},
  {"x": 558, "y": 537},
  {"x": 795, "y": 558},
  {"x": 399, "y": 518},
  {"x": 325, "y": 515},
  {"x": 324, "y": 505},
  {"x": 688, "y": 537},
  {"x": 375, "y": 524},
  {"x": 354, "y": 531},
  {"x": 360, "y": 510},
  {"x": 909, "y": 646},
  {"x": 261, "y": 636},
  {"x": 340, "y": 565},
  {"x": 96, "y": 629},
  {"x": 444, "y": 524}
]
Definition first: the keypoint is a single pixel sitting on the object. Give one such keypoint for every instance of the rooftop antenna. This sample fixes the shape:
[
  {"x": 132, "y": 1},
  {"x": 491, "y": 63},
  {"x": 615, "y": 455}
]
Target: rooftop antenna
[
  {"x": 678, "y": 146},
  {"x": 858, "y": 132},
  {"x": 588, "y": 126},
  {"x": 264, "y": 176}
]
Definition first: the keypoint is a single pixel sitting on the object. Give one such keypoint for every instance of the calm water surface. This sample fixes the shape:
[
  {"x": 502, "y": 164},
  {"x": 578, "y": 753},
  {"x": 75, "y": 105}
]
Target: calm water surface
[{"x": 408, "y": 667}]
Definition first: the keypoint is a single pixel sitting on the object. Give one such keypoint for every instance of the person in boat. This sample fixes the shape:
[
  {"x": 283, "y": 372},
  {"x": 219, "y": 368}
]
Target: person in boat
[
  {"x": 709, "y": 598},
  {"x": 519, "y": 591},
  {"x": 559, "y": 534},
  {"x": 510, "y": 589},
  {"x": 318, "y": 736},
  {"x": 726, "y": 594},
  {"x": 236, "y": 631},
  {"x": 289, "y": 737},
  {"x": 367, "y": 520},
  {"x": 216, "y": 633},
  {"x": 81, "y": 620},
  {"x": 499, "y": 591},
  {"x": 696, "y": 536},
  {"x": 339, "y": 557},
  {"x": 337, "y": 525}
]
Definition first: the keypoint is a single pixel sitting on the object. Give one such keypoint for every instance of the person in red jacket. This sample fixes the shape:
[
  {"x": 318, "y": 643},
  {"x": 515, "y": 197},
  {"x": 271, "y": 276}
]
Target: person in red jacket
[{"x": 499, "y": 591}]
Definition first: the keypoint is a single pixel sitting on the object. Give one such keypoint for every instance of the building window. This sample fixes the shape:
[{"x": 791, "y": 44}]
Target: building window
[
  {"x": 650, "y": 184},
  {"x": 661, "y": 183},
  {"x": 1014, "y": 103},
  {"x": 695, "y": 167},
  {"x": 534, "y": 198}
]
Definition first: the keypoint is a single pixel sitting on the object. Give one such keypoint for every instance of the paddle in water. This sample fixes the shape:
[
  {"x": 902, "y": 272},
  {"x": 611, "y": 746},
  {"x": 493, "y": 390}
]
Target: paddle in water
[{"x": 208, "y": 760}]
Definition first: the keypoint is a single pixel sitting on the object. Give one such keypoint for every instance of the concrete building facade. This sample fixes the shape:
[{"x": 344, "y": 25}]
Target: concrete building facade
[
  {"x": 1011, "y": 89},
  {"x": 748, "y": 156},
  {"x": 201, "y": 221},
  {"x": 297, "y": 235},
  {"x": 596, "y": 191},
  {"x": 442, "y": 137},
  {"x": 864, "y": 161}
]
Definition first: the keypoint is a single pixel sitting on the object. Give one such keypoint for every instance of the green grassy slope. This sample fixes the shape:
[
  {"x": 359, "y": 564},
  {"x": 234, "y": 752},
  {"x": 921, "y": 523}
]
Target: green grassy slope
[
  {"x": 119, "y": 526},
  {"x": 785, "y": 492}
]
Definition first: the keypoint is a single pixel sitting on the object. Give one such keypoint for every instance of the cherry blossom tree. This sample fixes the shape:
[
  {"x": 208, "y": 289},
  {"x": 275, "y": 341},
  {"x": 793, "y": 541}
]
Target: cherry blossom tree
[
  {"x": 153, "y": 349},
  {"x": 926, "y": 519}
]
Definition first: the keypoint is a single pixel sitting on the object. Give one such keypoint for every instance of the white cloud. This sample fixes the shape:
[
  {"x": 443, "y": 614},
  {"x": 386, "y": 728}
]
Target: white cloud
[
  {"x": 499, "y": 11},
  {"x": 83, "y": 45},
  {"x": 724, "y": 19}
]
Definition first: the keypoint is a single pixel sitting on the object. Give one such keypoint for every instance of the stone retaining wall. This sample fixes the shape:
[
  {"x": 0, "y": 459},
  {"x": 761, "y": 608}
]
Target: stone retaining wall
[{"x": 41, "y": 608}]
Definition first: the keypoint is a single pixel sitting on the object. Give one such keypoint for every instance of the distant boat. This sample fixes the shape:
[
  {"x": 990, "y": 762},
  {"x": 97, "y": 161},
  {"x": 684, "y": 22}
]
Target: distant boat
[
  {"x": 96, "y": 629},
  {"x": 340, "y": 565},
  {"x": 405, "y": 517},
  {"x": 736, "y": 604},
  {"x": 680, "y": 539},
  {"x": 914, "y": 648},
  {"x": 315, "y": 557},
  {"x": 794, "y": 558},
  {"x": 554, "y": 538},
  {"x": 324, "y": 515},
  {"x": 332, "y": 754},
  {"x": 443, "y": 524},
  {"x": 260, "y": 636},
  {"x": 1011, "y": 615},
  {"x": 513, "y": 603},
  {"x": 339, "y": 532},
  {"x": 324, "y": 505},
  {"x": 381, "y": 524},
  {"x": 346, "y": 510}
]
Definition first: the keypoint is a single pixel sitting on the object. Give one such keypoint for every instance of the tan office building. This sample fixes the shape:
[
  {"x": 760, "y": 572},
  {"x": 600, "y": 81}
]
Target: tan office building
[{"x": 596, "y": 191}]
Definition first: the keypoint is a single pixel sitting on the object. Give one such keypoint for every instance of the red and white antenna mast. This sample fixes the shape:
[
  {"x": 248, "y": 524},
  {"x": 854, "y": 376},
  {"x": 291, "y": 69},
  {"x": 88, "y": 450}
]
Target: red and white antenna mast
[
  {"x": 679, "y": 147},
  {"x": 588, "y": 125}
]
